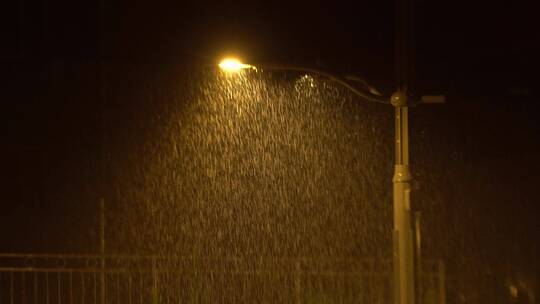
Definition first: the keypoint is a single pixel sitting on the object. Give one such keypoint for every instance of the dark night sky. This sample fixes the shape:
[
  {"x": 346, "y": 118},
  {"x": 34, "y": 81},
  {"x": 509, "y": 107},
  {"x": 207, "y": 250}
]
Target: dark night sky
[
  {"x": 456, "y": 41},
  {"x": 480, "y": 55}
]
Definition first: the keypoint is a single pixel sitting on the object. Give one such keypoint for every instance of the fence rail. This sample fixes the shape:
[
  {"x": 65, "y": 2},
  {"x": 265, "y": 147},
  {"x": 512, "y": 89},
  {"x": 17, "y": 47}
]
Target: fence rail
[{"x": 57, "y": 279}]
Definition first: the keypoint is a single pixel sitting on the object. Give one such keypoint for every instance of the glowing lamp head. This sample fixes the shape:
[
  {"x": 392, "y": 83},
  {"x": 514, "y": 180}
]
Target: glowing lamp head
[{"x": 233, "y": 65}]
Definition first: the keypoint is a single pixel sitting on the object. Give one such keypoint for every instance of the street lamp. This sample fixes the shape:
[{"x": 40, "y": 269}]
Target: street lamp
[
  {"x": 233, "y": 65},
  {"x": 402, "y": 249}
]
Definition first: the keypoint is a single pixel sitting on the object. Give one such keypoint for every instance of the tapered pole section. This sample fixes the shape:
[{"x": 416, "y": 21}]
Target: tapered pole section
[
  {"x": 403, "y": 237},
  {"x": 402, "y": 249}
]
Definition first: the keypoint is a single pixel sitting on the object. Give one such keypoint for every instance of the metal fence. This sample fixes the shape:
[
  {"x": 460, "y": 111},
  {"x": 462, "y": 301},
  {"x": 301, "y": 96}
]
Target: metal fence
[{"x": 56, "y": 279}]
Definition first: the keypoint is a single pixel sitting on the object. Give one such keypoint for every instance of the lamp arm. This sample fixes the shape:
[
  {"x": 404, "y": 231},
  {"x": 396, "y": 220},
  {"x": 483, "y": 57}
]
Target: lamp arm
[{"x": 367, "y": 96}]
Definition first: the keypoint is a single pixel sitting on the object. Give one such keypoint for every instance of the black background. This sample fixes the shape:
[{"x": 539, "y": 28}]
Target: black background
[{"x": 479, "y": 54}]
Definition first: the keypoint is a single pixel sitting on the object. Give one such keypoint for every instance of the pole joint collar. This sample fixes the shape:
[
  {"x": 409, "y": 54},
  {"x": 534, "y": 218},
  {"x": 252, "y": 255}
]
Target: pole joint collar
[
  {"x": 399, "y": 99},
  {"x": 402, "y": 174}
]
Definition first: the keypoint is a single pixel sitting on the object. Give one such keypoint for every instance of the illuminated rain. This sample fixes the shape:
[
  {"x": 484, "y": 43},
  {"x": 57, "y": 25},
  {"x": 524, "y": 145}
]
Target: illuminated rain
[{"x": 256, "y": 164}]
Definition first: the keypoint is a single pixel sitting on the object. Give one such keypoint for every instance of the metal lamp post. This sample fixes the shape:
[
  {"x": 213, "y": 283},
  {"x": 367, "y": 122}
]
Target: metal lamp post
[{"x": 403, "y": 259}]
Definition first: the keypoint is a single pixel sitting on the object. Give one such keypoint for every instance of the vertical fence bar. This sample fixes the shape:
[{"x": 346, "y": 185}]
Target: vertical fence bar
[
  {"x": 442, "y": 283},
  {"x": 47, "y": 292},
  {"x": 372, "y": 277},
  {"x": 59, "y": 287},
  {"x": 82, "y": 288},
  {"x": 118, "y": 288},
  {"x": 95, "y": 289},
  {"x": 23, "y": 287},
  {"x": 178, "y": 284},
  {"x": 141, "y": 287},
  {"x": 11, "y": 289},
  {"x": 102, "y": 237},
  {"x": 129, "y": 288},
  {"x": 418, "y": 251},
  {"x": 297, "y": 282},
  {"x": 360, "y": 282},
  {"x": 35, "y": 288},
  {"x": 154, "y": 283},
  {"x": 166, "y": 291},
  {"x": 71, "y": 287}
]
